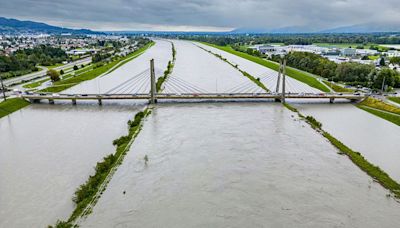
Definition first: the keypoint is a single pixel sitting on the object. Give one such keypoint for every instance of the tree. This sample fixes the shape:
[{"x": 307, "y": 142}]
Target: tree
[
  {"x": 75, "y": 67},
  {"x": 382, "y": 62},
  {"x": 53, "y": 74},
  {"x": 386, "y": 76},
  {"x": 61, "y": 72}
]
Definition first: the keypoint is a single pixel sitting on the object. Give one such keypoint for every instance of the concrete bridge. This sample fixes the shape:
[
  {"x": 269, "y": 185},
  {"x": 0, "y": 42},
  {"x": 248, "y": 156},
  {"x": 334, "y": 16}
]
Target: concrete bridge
[
  {"x": 188, "y": 96},
  {"x": 153, "y": 96}
]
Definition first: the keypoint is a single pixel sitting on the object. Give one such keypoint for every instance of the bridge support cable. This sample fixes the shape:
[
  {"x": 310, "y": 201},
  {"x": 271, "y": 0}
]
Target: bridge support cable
[
  {"x": 123, "y": 84},
  {"x": 183, "y": 85},
  {"x": 128, "y": 85},
  {"x": 189, "y": 85},
  {"x": 142, "y": 86},
  {"x": 179, "y": 87},
  {"x": 239, "y": 87}
]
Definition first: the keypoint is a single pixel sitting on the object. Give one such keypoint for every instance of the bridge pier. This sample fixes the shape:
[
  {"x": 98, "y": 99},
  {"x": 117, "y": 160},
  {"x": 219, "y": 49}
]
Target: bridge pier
[
  {"x": 331, "y": 100},
  {"x": 99, "y": 101},
  {"x": 73, "y": 101},
  {"x": 51, "y": 101}
]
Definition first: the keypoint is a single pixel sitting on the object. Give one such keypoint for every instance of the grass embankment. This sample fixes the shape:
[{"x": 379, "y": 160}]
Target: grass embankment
[
  {"x": 249, "y": 76},
  {"x": 291, "y": 72},
  {"x": 384, "y": 115},
  {"x": 381, "y": 109},
  {"x": 395, "y": 99},
  {"x": 378, "y": 104},
  {"x": 87, "y": 192},
  {"x": 374, "y": 171},
  {"x": 95, "y": 72},
  {"x": 11, "y": 105},
  {"x": 338, "y": 88},
  {"x": 168, "y": 71}
]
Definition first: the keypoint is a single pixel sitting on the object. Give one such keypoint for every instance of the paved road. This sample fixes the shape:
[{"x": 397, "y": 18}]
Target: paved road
[{"x": 42, "y": 73}]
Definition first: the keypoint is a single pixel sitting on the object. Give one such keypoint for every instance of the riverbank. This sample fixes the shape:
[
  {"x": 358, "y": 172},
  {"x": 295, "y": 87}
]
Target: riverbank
[
  {"x": 291, "y": 72},
  {"x": 167, "y": 72},
  {"x": 95, "y": 72},
  {"x": 381, "y": 109},
  {"x": 11, "y": 105},
  {"x": 374, "y": 171}
]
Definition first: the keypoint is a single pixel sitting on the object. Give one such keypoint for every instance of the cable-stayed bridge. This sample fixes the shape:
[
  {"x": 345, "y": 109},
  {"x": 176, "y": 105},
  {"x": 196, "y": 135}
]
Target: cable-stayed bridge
[{"x": 143, "y": 86}]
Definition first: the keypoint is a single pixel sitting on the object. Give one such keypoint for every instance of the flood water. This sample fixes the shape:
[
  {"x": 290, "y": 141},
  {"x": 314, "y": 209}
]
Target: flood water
[
  {"x": 376, "y": 139},
  {"x": 238, "y": 165},
  {"x": 198, "y": 68},
  {"x": 268, "y": 77},
  {"x": 47, "y": 151},
  {"x": 210, "y": 165}
]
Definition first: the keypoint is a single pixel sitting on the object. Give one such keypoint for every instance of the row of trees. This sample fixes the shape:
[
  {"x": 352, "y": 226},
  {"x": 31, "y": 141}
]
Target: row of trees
[
  {"x": 350, "y": 72},
  {"x": 230, "y": 39},
  {"x": 25, "y": 61}
]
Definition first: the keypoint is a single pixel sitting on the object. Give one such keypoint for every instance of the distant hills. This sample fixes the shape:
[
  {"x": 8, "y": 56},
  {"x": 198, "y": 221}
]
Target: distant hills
[{"x": 13, "y": 26}]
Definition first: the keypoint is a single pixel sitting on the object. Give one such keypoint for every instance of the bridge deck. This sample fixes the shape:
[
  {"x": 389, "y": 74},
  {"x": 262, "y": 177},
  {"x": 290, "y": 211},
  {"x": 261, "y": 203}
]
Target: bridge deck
[{"x": 183, "y": 96}]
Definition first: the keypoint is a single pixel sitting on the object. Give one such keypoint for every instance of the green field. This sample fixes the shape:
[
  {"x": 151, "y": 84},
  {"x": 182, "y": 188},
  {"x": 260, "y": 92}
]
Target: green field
[
  {"x": 54, "y": 66},
  {"x": 35, "y": 84},
  {"x": 72, "y": 81},
  {"x": 11, "y": 105},
  {"x": 395, "y": 99},
  {"x": 291, "y": 72}
]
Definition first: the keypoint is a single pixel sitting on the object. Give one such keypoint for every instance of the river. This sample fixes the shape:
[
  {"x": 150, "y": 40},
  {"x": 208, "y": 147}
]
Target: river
[
  {"x": 210, "y": 165},
  {"x": 47, "y": 151},
  {"x": 236, "y": 165},
  {"x": 376, "y": 139}
]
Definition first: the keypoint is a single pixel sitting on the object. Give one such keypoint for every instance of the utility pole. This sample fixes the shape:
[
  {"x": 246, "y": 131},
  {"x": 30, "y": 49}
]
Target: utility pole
[
  {"x": 284, "y": 80},
  {"x": 2, "y": 88},
  {"x": 383, "y": 83},
  {"x": 152, "y": 83}
]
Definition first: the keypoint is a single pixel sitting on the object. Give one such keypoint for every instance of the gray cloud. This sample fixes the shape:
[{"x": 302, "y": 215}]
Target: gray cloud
[{"x": 201, "y": 14}]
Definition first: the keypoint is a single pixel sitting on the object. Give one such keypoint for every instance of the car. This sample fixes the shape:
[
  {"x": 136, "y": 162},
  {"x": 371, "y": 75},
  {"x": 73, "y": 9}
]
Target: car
[
  {"x": 84, "y": 95},
  {"x": 357, "y": 94},
  {"x": 55, "y": 95},
  {"x": 340, "y": 94}
]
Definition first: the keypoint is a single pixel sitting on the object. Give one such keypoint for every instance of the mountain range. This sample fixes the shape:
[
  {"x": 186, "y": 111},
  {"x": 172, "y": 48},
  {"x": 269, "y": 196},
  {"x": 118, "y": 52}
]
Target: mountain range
[{"x": 13, "y": 26}]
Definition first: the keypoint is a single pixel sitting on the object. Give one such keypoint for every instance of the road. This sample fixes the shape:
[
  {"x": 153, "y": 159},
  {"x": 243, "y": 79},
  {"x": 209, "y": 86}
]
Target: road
[{"x": 42, "y": 73}]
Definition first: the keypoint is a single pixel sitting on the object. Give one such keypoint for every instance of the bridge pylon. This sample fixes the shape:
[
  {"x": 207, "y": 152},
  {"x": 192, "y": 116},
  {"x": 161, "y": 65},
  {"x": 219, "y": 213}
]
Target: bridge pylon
[
  {"x": 153, "y": 99},
  {"x": 283, "y": 81}
]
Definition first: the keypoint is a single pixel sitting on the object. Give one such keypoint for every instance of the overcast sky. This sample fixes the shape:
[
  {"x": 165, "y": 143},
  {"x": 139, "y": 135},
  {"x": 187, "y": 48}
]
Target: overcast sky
[{"x": 201, "y": 15}]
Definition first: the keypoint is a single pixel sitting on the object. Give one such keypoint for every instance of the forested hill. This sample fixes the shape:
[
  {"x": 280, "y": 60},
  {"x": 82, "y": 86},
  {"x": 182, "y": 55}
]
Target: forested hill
[{"x": 13, "y": 26}]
